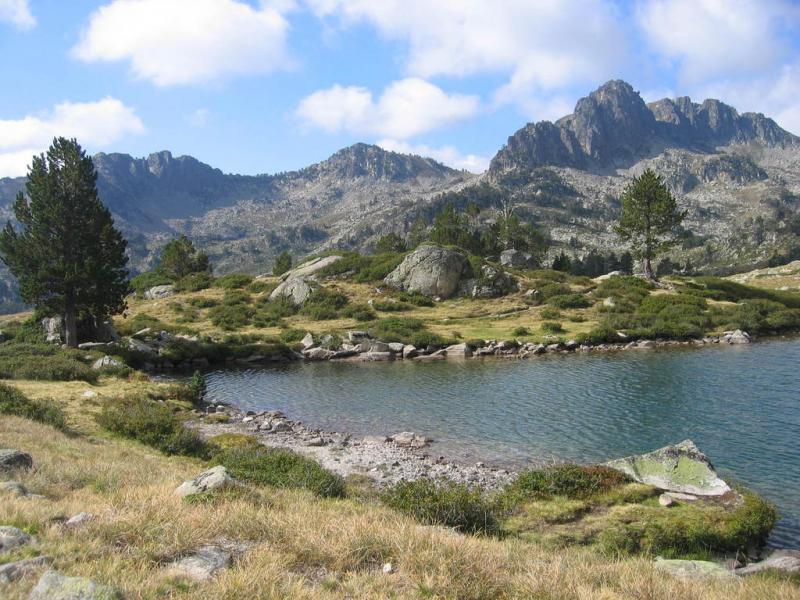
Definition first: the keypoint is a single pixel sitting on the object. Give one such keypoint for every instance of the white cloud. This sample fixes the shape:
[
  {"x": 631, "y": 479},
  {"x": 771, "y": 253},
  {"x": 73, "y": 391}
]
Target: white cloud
[
  {"x": 448, "y": 155},
  {"x": 542, "y": 45},
  {"x": 406, "y": 108},
  {"x": 718, "y": 38},
  {"x": 18, "y": 13},
  {"x": 95, "y": 124},
  {"x": 179, "y": 42}
]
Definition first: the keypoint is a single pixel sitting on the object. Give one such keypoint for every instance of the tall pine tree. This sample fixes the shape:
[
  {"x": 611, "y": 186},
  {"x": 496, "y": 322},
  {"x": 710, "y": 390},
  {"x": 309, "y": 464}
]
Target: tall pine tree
[
  {"x": 650, "y": 216},
  {"x": 65, "y": 252}
]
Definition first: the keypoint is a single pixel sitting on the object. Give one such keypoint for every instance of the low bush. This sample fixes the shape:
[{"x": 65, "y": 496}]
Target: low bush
[
  {"x": 289, "y": 336},
  {"x": 567, "y": 480},
  {"x": 203, "y": 302},
  {"x": 549, "y": 290},
  {"x": 138, "y": 322},
  {"x": 444, "y": 503},
  {"x": 231, "y": 316},
  {"x": 359, "y": 312},
  {"x": 151, "y": 423},
  {"x": 262, "y": 287},
  {"x": 323, "y": 304},
  {"x": 145, "y": 281},
  {"x": 228, "y": 441},
  {"x": 390, "y": 306},
  {"x": 13, "y": 402},
  {"x": 724, "y": 289},
  {"x": 194, "y": 282},
  {"x": 415, "y": 298},
  {"x": 552, "y": 327},
  {"x": 569, "y": 301},
  {"x": 550, "y": 312},
  {"x": 280, "y": 468},
  {"x": 29, "y": 331},
  {"x": 396, "y": 329},
  {"x": 363, "y": 269},
  {"x": 44, "y": 362},
  {"x": 521, "y": 331},
  {"x": 233, "y": 281}
]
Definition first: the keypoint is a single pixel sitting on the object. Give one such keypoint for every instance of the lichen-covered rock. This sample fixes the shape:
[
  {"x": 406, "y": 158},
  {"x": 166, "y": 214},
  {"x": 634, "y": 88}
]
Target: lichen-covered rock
[
  {"x": 679, "y": 468},
  {"x": 53, "y": 329},
  {"x": 492, "y": 283},
  {"x": 431, "y": 271},
  {"x": 11, "y": 459},
  {"x": 295, "y": 288},
  {"x": 213, "y": 479},
  {"x": 693, "y": 569},
  {"x": 105, "y": 361},
  {"x": 14, "y": 488},
  {"x": 12, "y": 537},
  {"x": 55, "y": 586},
  {"x": 517, "y": 260},
  {"x": 159, "y": 291}
]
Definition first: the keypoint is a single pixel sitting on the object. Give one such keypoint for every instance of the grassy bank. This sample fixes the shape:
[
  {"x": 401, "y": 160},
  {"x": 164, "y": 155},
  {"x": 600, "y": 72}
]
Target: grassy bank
[{"x": 297, "y": 544}]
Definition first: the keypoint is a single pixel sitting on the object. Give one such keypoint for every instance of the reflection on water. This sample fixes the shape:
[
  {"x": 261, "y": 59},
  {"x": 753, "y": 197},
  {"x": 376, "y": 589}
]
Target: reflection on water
[{"x": 739, "y": 404}]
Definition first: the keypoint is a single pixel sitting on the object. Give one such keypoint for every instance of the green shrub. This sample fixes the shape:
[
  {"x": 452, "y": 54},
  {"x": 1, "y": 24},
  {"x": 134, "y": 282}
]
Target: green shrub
[
  {"x": 443, "y": 503},
  {"x": 569, "y": 301},
  {"x": 145, "y": 281},
  {"x": 602, "y": 334},
  {"x": 552, "y": 327},
  {"x": 550, "y": 313},
  {"x": 202, "y": 302},
  {"x": 396, "y": 329},
  {"x": 231, "y": 316},
  {"x": 153, "y": 424},
  {"x": 359, "y": 312},
  {"x": 549, "y": 290},
  {"x": 227, "y": 441},
  {"x": 292, "y": 335},
  {"x": 389, "y": 306},
  {"x": 426, "y": 339},
  {"x": 568, "y": 480},
  {"x": 29, "y": 331},
  {"x": 14, "y": 402},
  {"x": 262, "y": 287},
  {"x": 280, "y": 468},
  {"x": 323, "y": 304},
  {"x": 194, "y": 282},
  {"x": 723, "y": 289},
  {"x": 233, "y": 281},
  {"x": 415, "y": 298},
  {"x": 137, "y": 323},
  {"x": 521, "y": 331},
  {"x": 363, "y": 269},
  {"x": 44, "y": 362}
]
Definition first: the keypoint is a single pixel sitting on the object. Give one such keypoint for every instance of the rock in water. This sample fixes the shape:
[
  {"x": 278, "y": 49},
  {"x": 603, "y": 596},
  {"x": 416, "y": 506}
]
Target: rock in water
[
  {"x": 11, "y": 459},
  {"x": 55, "y": 586},
  {"x": 678, "y": 468},
  {"x": 693, "y": 569},
  {"x": 431, "y": 271},
  {"x": 208, "y": 481}
]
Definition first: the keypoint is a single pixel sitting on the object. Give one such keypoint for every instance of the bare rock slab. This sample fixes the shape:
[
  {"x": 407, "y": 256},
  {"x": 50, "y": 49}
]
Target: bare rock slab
[
  {"x": 679, "y": 468},
  {"x": 202, "y": 564},
  {"x": 55, "y": 586}
]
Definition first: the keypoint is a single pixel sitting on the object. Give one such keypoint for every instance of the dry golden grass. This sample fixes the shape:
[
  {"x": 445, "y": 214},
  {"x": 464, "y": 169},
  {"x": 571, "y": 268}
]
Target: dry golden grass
[
  {"x": 298, "y": 546},
  {"x": 786, "y": 277}
]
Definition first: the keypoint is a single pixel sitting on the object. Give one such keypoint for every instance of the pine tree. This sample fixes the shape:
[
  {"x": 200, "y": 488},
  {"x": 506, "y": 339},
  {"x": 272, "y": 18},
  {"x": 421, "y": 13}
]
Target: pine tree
[
  {"x": 65, "y": 252},
  {"x": 650, "y": 216},
  {"x": 283, "y": 262},
  {"x": 180, "y": 258}
]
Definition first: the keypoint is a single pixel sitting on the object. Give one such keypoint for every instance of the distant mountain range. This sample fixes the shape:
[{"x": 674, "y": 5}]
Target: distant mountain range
[{"x": 737, "y": 174}]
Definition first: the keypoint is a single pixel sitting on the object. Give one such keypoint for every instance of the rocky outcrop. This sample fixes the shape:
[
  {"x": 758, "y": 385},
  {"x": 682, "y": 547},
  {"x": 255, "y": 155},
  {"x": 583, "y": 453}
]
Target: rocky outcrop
[
  {"x": 311, "y": 267},
  {"x": 55, "y": 586},
  {"x": 105, "y": 361},
  {"x": 516, "y": 259},
  {"x": 53, "y": 329},
  {"x": 11, "y": 459},
  {"x": 159, "y": 291},
  {"x": 215, "y": 478},
  {"x": 490, "y": 283},
  {"x": 430, "y": 270},
  {"x": 297, "y": 289},
  {"x": 679, "y": 468}
]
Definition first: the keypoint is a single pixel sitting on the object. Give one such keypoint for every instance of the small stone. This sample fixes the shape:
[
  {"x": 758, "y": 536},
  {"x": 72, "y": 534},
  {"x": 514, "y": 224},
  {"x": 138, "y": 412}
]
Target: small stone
[
  {"x": 88, "y": 394},
  {"x": 315, "y": 441},
  {"x": 665, "y": 500},
  {"x": 12, "y": 537},
  {"x": 247, "y": 419},
  {"x": 55, "y": 586},
  {"x": 203, "y": 564},
  {"x": 16, "y": 570},
  {"x": 388, "y": 569},
  {"x": 213, "y": 479},
  {"x": 307, "y": 341},
  {"x": 11, "y": 459},
  {"x": 79, "y": 519}
]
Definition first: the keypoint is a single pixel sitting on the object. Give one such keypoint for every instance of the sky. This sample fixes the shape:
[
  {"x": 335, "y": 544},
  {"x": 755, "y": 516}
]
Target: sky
[{"x": 264, "y": 86}]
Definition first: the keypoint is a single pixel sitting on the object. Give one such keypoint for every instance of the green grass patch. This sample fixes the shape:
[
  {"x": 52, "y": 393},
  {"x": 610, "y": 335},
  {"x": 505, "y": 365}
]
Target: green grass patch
[{"x": 233, "y": 281}]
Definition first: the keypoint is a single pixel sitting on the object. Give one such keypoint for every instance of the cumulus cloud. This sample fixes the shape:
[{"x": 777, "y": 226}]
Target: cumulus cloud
[
  {"x": 543, "y": 45},
  {"x": 95, "y": 124},
  {"x": 405, "y": 108},
  {"x": 448, "y": 155},
  {"x": 715, "y": 38},
  {"x": 18, "y": 13},
  {"x": 175, "y": 42}
]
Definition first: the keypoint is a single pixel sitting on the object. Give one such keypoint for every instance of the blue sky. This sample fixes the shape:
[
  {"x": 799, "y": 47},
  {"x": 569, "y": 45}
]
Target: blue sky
[{"x": 267, "y": 86}]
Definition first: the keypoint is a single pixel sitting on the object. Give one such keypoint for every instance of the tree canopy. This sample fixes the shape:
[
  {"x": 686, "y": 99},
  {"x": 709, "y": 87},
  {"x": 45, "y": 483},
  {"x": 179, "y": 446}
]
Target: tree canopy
[
  {"x": 650, "y": 218},
  {"x": 283, "y": 262},
  {"x": 65, "y": 251},
  {"x": 180, "y": 258}
]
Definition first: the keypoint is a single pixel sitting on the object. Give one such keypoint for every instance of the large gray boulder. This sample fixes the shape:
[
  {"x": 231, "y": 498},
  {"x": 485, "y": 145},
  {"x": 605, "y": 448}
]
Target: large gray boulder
[
  {"x": 53, "y": 329},
  {"x": 297, "y": 288},
  {"x": 785, "y": 561},
  {"x": 431, "y": 271},
  {"x": 214, "y": 479},
  {"x": 679, "y": 468},
  {"x": 55, "y": 586},
  {"x": 517, "y": 260},
  {"x": 11, "y": 460},
  {"x": 159, "y": 291}
]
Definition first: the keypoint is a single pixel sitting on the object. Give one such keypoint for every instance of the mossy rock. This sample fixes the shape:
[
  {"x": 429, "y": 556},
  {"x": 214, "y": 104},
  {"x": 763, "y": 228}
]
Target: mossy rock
[{"x": 217, "y": 418}]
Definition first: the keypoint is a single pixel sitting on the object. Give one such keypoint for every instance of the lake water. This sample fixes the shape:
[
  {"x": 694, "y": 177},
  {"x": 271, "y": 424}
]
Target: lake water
[{"x": 740, "y": 405}]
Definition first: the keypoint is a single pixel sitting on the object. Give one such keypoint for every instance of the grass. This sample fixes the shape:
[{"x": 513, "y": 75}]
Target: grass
[
  {"x": 13, "y": 402},
  {"x": 299, "y": 545},
  {"x": 568, "y": 480},
  {"x": 279, "y": 468}
]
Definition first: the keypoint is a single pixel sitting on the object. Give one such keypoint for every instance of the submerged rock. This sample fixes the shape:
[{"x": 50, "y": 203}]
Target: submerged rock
[
  {"x": 55, "y": 586},
  {"x": 679, "y": 468},
  {"x": 431, "y": 271}
]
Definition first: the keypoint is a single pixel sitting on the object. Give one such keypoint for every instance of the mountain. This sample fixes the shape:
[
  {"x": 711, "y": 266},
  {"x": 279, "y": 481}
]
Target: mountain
[{"x": 738, "y": 175}]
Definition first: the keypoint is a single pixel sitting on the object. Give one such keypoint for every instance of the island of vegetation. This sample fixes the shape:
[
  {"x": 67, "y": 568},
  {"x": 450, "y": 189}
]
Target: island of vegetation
[{"x": 120, "y": 484}]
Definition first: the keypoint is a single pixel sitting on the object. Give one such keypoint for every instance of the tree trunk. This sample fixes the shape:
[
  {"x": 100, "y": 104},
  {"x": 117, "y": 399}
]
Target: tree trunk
[
  {"x": 70, "y": 328},
  {"x": 648, "y": 270}
]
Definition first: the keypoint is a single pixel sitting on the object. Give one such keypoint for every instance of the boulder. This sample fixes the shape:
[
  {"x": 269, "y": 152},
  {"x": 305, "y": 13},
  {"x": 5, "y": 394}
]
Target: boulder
[
  {"x": 311, "y": 267},
  {"x": 53, "y": 330},
  {"x": 786, "y": 561},
  {"x": 319, "y": 354},
  {"x": 14, "y": 488},
  {"x": 458, "y": 351},
  {"x": 202, "y": 564},
  {"x": 409, "y": 351},
  {"x": 11, "y": 460},
  {"x": 214, "y": 479},
  {"x": 516, "y": 259},
  {"x": 376, "y": 356},
  {"x": 693, "y": 569},
  {"x": 139, "y": 346},
  {"x": 79, "y": 519},
  {"x": 106, "y": 361},
  {"x": 12, "y": 537},
  {"x": 159, "y": 291},
  {"x": 679, "y": 468},
  {"x": 16, "y": 570},
  {"x": 492, "y": 283},
  {"x": 738, "y": 337},
  {"x": 55, "y": 586},
  {"x": 396, "y": 347},
  {"x": 295, "y": 288},
  {"x": 307, "y": 341},
  {"x": 431, "y": 271},
  {"x": 356, "y": 337}
]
